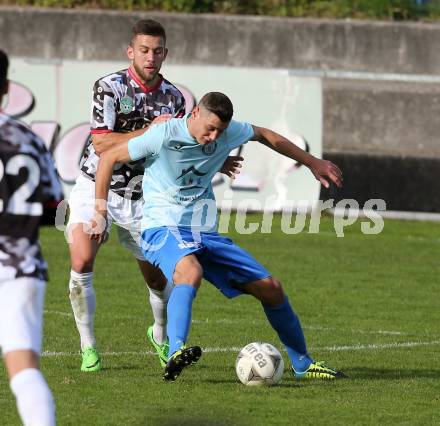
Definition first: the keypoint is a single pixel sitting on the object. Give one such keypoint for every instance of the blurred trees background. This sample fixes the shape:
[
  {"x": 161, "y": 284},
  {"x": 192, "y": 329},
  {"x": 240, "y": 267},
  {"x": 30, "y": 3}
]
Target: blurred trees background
[{"x": 342, "y": 9}]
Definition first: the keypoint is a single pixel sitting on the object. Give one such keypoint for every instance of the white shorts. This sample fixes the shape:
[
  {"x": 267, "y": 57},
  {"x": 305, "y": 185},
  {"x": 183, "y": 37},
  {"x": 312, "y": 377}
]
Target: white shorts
[
  {"x": 21, "y": 314},
  {"x": 126, "y": 214}
]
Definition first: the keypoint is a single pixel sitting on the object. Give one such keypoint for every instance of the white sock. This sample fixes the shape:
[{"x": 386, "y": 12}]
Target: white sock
[
  {"x": 34, "y": 399},
  {"x": 158, "y": 302},
  {"x": 83, "y": 300}
]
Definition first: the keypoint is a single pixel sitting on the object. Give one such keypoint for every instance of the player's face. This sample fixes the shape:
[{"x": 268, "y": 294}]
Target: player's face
[
  {"x": 207, "y": 126},
  {"x": 147, "y": 54}
]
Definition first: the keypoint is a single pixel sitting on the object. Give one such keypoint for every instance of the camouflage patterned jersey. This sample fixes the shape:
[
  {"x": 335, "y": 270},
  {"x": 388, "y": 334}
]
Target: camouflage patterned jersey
[
  {"x": 28, "y": 183},
  {"x": 121, "y": 103}
]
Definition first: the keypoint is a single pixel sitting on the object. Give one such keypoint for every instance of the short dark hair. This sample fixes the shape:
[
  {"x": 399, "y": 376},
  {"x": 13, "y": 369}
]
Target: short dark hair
[
  {"x": 148, "y": 27},
  {"x": 4, "y": 63},
  {"x": 219, "y": 104}
]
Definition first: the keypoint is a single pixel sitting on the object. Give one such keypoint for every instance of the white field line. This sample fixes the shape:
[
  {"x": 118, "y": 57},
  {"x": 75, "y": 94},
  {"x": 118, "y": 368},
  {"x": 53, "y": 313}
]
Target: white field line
[
  {"x": 357, "y": 347},
  {"x": 352, "y": 330},
  {"x": 374, "y": 346},
  {"x": 420, "y": 238},
  {"x": 257, "y": 322},
  {"x": 316, "y": 328}
]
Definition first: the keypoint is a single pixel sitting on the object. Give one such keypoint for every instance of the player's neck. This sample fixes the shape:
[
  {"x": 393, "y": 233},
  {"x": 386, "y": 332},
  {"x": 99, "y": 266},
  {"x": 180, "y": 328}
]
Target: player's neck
[
  {"x": 189, "y": 125},
  {"x": 151, "y": 83},
  {"x": 147, "y": 84}
]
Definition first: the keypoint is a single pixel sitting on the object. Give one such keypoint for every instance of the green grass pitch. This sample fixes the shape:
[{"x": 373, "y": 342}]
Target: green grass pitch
[{"x": 369, "y": 305}]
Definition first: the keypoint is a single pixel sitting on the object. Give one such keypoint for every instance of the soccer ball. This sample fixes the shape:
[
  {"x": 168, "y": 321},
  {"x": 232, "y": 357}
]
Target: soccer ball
[{"x": 259, "y": 364}]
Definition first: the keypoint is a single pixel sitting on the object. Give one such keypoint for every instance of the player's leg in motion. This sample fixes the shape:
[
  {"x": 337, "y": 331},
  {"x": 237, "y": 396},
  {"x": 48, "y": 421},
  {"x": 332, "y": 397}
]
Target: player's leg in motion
[
  {"x": 35, "y": 403},
  {"x": 82, "y": 293},
  {"x": 21, "y": 310},
  {"x": 160, "y": 292},
  {"x": 286, "y": 323},
  {"x": 187, "y": 278},
  {"x": 159, "y": 289}
]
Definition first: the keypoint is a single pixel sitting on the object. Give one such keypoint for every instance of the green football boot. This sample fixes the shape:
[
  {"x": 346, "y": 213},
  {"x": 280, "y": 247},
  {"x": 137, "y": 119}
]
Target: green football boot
[
  {"x": 161, "y": 348},
  {"x": 91, "y": 360},
  {"x": 318, "y": 370}
]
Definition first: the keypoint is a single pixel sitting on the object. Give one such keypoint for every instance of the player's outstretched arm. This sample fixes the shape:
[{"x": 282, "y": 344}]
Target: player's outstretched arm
[
  {"x": 323, "y": 170},
  {"x": 105, "y": 141},
  {"x": 117, "y": 154}
]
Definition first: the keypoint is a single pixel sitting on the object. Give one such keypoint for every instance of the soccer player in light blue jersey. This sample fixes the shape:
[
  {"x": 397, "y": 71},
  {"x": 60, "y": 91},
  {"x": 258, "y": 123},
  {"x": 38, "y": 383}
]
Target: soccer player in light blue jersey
[{"x": 179, "y": 223}]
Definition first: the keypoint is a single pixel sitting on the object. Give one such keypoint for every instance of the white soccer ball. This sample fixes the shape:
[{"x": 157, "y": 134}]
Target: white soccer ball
[{"x": 259, "y": 364}]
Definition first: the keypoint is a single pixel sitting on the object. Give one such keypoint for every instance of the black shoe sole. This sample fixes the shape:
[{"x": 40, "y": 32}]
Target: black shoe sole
[{"x": 177, "y": 363}]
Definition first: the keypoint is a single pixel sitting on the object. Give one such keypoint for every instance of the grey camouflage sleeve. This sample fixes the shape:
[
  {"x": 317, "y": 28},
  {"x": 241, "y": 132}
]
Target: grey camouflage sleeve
[{"x": 103, "y": 115}]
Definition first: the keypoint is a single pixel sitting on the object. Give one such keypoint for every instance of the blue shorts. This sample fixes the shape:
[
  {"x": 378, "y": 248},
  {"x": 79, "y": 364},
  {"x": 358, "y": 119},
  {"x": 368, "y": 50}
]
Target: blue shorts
[{"x": 224, "y": 264}]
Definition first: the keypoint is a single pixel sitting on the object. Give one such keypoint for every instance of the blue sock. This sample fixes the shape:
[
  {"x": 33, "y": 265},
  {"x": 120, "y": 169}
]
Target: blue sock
[
  {"x": 179, "y": 312},
  {"x": 287, "y": 325}
]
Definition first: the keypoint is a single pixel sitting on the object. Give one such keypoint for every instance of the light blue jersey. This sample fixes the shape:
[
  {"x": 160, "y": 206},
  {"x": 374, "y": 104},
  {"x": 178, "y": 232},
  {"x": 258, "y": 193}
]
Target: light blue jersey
[{"x": 177, "y": 181}]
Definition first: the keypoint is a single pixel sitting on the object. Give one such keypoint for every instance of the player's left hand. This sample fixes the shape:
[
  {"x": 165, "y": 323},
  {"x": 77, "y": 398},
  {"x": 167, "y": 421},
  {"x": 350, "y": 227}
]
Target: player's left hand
[
  {"x": 326, "y": 171},
  {"x": 231, "y": 167},
  {"x": 161, "y": 119},
  {"x": 98, "y": 227}
]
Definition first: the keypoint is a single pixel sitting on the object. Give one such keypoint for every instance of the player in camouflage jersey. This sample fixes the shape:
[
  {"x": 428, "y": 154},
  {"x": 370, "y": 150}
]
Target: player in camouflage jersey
[
  {"x": 124, "y": 104},
  {"x": 29, "y": 192}
]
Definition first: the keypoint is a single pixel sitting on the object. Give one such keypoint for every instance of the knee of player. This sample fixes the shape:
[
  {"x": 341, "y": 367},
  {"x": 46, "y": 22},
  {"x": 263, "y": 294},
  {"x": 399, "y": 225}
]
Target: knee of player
[
  {"x": 157, "y": 283},
  {"x": 18, "y": 360},
  {"x": 188, "y": 274},
  {"x": 81, "y": 265},
  {"x": 274, "y": 289}
]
